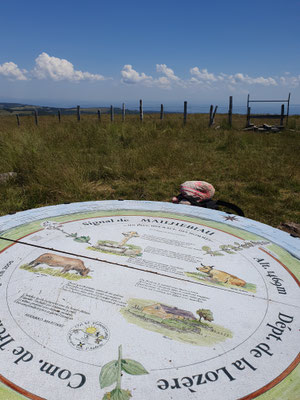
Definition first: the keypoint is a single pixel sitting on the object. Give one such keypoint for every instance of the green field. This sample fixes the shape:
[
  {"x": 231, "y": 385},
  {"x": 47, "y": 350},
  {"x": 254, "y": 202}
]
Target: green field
[{"x": 71, "y": 161}]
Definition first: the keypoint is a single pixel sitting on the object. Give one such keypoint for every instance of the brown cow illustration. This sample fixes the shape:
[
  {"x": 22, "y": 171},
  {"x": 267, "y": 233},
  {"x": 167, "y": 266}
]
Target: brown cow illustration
[
  {"x": 67, "y": 263},
  {"x": 221, "y": 276}
]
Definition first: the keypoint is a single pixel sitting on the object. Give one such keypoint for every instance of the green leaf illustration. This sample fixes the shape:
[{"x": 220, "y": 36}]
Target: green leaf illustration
[
  {"x": 133, "y": 367},
  {"x": 82, "y": 239},
  {"x": 108, "y": 374},
  {"x": 120, "y": 394}
]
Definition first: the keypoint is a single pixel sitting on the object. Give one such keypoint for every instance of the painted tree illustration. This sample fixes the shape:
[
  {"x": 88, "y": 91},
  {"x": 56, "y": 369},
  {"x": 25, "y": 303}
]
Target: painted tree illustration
[
  {"x": 112, "y": 372},
  {"x": 206, "y": 314}
]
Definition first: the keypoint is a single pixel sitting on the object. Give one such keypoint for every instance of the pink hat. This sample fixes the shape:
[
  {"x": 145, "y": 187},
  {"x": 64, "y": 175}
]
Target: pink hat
[{"x": 199, "y": 190}]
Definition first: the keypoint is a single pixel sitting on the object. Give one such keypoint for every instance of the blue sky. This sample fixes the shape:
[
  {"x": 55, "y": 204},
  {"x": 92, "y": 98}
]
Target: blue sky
[{"x": 97, "y": 53}]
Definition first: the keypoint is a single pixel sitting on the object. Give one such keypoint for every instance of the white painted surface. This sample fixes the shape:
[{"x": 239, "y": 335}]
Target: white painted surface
[{"x": 114, "y": 292}]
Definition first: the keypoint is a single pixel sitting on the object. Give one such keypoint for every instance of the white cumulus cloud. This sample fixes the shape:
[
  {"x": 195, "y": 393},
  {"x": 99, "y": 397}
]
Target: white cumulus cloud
[
  {"x": 58, "y": 69},
  {"x": 202, "y": 75},
  {"x": 290, "y": 81},
  {"x": 239, "y": 77},
  {"x": 11, "y": 71},
  {"x": 168, "y": 77},
  {"x": 168, "y": 72},
  {"x": 163, "y": 82},
  {"x": 164, "y": 77},
  {"x": 131, "y": 76}
]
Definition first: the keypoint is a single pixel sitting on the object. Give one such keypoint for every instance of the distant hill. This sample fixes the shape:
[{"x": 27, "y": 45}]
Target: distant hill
[{"x": 26, "y": 109}]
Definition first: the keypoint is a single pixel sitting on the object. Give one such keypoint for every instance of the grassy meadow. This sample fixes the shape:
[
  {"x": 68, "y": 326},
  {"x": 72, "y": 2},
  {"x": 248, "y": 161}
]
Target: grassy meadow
[{"x": 67, "y": 162}]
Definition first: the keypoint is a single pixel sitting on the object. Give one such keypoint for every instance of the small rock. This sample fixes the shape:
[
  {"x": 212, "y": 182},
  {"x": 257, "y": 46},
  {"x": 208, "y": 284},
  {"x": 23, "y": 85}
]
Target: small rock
[
  {"x": 266, "y": 126},
  {"x": 6, "y": 176}
]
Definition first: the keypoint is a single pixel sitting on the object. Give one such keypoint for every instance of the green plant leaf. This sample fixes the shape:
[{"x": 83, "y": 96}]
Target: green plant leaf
[
  {"x": 133, "y": 367},
  {"x": 82, "y": 239},
  {"x": 120, "y": 394},
  {"x": 108, "y": 374}
]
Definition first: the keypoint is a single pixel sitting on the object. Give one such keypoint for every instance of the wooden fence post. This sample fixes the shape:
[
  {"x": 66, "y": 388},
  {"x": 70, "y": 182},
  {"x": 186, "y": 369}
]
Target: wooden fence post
[
  {"x": 141, "y": 111},
  {"x": 161, "y": 111},
  {"x": 184, "y": 112},
  {"x": 230, "y": 112},
  {"x": 59, "y": 115},
  {"x": 78, "y": 113},
  {"x": 214, "y": 114},
  {"x": 282, "y": 114},
  {"x": 36, "y": 117},
  {"x": 18, "y": 119},
  {"x": 211, "y": 115},
  {"x": 248, "y": 117},
  {"x": 123, "y": 112},
  {"x": 99, "y": 115},
  {"x": 111, "y": 114}
]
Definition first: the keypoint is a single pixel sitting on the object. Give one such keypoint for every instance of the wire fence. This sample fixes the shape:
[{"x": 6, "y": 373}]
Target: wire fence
[
  {"x": 142, "y": 108},
  {"x": 222, "y": 109}
]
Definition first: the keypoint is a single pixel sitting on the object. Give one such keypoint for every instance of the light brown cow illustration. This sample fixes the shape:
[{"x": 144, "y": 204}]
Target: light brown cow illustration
[
  {"x": 221, "y": 276},
  {"x": 67, "y": 263}
]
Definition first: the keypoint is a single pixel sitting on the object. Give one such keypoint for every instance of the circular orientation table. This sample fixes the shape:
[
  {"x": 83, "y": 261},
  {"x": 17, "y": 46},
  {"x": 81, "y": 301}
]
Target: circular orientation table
[{"x": 112, "y": 300}]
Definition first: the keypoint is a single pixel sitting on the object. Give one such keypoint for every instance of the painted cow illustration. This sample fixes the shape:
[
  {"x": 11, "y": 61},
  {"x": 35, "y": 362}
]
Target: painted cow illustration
[
  {"x": 67, "y": 263},
  {"x": 221, "y": 276}
]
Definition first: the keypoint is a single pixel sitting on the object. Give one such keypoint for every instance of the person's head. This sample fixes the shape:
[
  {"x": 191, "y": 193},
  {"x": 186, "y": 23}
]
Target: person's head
[{"x": 196, "y": 191}]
